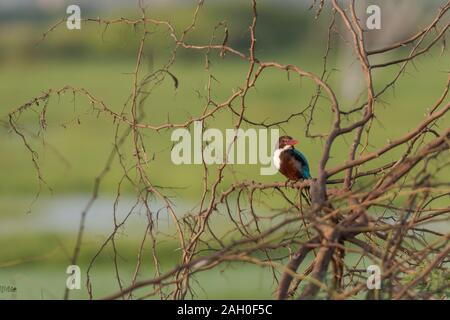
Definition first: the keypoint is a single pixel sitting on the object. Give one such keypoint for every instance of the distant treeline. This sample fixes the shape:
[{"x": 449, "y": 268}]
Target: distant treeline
[{"x": 280, "y": 28}]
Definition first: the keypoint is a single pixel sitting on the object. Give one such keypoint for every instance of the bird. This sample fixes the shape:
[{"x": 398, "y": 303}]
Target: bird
[
  {"x": 294, "y": 166},
  {"x": 289, "y": 161}
]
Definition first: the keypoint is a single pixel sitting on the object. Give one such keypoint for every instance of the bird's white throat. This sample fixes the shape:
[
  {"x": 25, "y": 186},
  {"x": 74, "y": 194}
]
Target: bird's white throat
[{"x": 276, "y": 156}]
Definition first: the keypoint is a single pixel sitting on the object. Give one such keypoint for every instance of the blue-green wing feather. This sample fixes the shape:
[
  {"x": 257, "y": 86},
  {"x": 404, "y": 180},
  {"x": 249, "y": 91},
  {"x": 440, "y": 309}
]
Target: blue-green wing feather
[{"x": 302, "y": 159}]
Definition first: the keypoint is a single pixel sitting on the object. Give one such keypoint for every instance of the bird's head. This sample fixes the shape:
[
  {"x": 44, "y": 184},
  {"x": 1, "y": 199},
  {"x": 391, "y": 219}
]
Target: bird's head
[{"x": 286, "y": 142}]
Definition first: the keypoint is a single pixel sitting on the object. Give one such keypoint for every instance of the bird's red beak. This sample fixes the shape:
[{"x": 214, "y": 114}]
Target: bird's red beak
[{"x": 292, "y": 142}]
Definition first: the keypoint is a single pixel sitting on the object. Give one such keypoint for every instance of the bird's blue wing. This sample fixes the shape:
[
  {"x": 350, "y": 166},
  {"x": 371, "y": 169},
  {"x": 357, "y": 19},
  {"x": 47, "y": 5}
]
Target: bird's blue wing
[{"x": 302, "y": 159}]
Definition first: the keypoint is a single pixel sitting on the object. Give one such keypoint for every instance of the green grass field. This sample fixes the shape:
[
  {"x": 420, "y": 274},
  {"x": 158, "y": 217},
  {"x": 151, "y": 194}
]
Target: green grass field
[
  {"x": 78, "y": 143},
  {"x": 80, "y": 138}
]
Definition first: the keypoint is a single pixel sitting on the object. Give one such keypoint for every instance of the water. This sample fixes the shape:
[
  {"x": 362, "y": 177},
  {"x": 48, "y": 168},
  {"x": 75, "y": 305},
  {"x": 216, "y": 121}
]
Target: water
[{"x": 63, "y": 214}]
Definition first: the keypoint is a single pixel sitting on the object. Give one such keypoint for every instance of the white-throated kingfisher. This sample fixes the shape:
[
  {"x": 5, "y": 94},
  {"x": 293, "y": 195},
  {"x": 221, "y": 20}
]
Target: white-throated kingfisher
[{"x": 289, "y": 161}]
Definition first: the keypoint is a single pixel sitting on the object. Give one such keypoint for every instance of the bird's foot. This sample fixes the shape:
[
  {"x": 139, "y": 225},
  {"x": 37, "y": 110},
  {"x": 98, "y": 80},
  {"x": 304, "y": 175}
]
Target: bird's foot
[{"x": 289, "y": 183}]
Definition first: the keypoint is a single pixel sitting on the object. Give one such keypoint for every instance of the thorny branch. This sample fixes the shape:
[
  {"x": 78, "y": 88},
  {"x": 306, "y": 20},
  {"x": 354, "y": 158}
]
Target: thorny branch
[{"x": 380, "y": 214}]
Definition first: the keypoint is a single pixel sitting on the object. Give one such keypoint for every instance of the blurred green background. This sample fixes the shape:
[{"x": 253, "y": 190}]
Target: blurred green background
[{"x": 37, "y": 243}]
